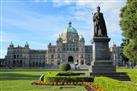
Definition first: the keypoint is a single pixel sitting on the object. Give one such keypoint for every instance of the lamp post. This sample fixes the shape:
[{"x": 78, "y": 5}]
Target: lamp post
[
  {"x": 76, "y": 63},
  {"x": 114, "y": 55}
]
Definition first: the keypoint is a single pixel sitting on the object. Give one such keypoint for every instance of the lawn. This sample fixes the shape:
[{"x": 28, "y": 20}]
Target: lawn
[
  {"x": 131, "y": 72},
  {"x": 20, "y": 80},
  {"x": 115, "y": 85}
]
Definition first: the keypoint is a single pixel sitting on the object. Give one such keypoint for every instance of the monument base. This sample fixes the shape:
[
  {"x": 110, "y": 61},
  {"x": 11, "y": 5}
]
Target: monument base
[
  {"x": 101, "y": 56},
  {"x": 101, "y": 64}
]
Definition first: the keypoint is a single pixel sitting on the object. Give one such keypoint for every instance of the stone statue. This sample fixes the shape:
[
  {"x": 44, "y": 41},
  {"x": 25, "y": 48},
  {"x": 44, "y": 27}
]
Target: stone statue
[{"x": 99, "y": 24}]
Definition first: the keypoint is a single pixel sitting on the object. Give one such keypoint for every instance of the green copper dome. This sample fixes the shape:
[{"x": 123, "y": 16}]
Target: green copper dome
[{"x": 71, "y": 29}]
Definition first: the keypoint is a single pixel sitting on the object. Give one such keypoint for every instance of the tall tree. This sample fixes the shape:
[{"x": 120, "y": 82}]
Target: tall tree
[
  {"x": 128, "y": 24},
  {"x": 124, "y": 58}
]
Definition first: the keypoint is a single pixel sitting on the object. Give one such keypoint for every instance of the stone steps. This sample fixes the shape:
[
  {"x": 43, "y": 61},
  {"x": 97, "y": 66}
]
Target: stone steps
[
  {"x": 122, "y": 76},
  {"x": 103, "y": 63},
  {"x": 103, "y": 69}
]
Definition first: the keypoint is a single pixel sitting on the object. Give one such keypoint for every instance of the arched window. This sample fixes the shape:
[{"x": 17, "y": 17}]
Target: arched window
[{"x": 70, "y": 60}]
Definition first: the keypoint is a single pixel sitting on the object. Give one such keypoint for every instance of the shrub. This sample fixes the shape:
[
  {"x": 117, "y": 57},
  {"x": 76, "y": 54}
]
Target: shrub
[
  {"x": 65, "y": 67},
  {"x": 69, "y": 74},
  {"x": 68, "y": 79},
  {"x": 51, "y": 73}
]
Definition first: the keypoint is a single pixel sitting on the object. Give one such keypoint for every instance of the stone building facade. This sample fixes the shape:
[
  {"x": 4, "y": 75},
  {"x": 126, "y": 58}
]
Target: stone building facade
[
  {"x": 70, "y": 48},
  {"x": 116, "y": 55}
]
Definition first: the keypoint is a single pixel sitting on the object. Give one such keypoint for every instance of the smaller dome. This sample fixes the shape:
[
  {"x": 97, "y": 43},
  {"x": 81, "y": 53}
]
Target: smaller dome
[
  {"x": 82, "y": 38},
  {"x": 26, "y": 45},
  {"x": 11, "y": 45},
  {"x": 59, "y": 39},
  {"x": 71, "y": 29},
  {"x": 114, "y": 45}
]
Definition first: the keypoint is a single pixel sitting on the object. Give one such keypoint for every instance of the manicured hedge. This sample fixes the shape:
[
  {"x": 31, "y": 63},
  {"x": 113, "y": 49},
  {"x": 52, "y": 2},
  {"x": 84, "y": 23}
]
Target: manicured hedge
[
  {"x": 51, "y": 73},
  {"x": 68, "y": 79},
  {"x": 69, "y": 74},
  {"x": 113, "y": 85}
]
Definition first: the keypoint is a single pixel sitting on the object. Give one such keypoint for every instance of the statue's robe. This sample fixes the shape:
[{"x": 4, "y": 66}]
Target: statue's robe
[{"x": 99, "y": 25}]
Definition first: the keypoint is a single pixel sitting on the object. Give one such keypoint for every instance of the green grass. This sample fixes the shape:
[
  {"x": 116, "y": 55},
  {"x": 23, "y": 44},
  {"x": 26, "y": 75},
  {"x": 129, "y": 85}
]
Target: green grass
[
  {"x": 113, "y": 85},
  {"x": 131, "y": 72},
  {"x": 21, "y": 79}
]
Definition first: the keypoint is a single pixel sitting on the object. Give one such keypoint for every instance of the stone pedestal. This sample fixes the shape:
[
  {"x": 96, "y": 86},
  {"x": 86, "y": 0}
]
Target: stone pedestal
[
  {"x": 101, "y": 56},
  {"x": 101, "y": 48},
  {"x": 101, "y": 64}
]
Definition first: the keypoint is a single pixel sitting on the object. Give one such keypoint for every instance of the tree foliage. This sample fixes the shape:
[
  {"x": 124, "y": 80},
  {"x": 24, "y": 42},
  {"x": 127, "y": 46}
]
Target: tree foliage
[
  {"x": 130, "y": 50},
  {"x": 128, "y": 24},
  {"x": 65, "y": 67},
  {"x": 124, "y": 58}
]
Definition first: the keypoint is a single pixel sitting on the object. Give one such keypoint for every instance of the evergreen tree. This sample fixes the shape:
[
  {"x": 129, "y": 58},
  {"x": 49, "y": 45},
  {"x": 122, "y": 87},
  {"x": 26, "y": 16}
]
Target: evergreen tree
[
  {"x": 124, "y": 58},
  {"x": 128, "y": 24}
]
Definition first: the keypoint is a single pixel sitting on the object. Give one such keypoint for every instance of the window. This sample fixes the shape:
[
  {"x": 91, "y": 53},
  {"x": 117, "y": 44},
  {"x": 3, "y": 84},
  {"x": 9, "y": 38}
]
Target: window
[
  {"x": 17, "y": 61},
  {"x": 52, "y": 56},
  {"x": 17, "y": 56},
  {"x": 81, "y": 56},
  {"x": 14, "y": 56},
  {"x": 73, "y": 49},
  {"x": 20, "y": 61},
  {"x": 58, "y": 62},
  {"x": 14, "y": 62},
  {"x": 58, "y": 56}
]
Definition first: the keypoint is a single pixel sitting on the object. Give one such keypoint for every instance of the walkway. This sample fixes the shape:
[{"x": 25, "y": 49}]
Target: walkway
[{"x": 88, "y": 88}]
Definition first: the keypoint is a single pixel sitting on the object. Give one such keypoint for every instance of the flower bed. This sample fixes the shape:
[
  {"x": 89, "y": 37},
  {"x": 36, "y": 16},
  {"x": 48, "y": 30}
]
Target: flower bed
[
  {"x": 91, "y": 85},
  {"x": 88, "y": 85}
]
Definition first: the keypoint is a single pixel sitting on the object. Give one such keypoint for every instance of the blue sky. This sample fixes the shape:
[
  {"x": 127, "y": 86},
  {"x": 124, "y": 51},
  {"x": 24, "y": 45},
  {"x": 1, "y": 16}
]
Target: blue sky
[{"x": 41, "y": 21}]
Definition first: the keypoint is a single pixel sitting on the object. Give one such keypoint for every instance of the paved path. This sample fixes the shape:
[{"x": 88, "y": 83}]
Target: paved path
[{"x": 88, "y": 88}]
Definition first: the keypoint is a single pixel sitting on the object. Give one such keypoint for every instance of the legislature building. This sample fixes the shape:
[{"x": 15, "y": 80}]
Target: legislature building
[{"x": 70, "y": 48}]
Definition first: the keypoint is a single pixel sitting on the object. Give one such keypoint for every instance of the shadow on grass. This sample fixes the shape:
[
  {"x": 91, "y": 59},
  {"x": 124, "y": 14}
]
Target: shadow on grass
[
  {"x": 18, "y": 76},
  {"x": 27, "y": 70}
]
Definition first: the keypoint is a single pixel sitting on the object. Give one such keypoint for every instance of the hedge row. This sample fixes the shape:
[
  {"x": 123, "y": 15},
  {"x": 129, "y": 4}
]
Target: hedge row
[
  {"x": 68, "y": 79},
  {"x": 51, "y": 74},
  {"x": 113, "y": 85},
  {"x": 69, "y": 74}
]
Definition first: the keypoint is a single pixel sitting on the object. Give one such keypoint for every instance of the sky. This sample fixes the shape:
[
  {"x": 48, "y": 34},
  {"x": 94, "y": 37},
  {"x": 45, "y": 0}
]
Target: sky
[{"x": 40, "y": 22}]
